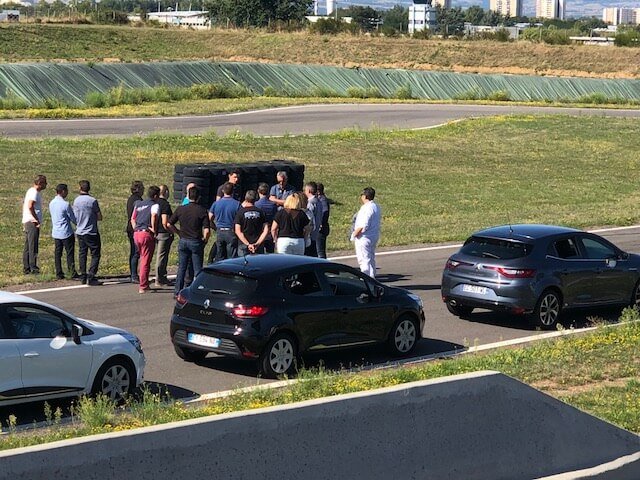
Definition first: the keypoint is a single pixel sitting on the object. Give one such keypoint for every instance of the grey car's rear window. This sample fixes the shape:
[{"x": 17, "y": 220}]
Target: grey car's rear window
[
  {"x": 495, "y": 248},
  {"x": 224, "y": 283}
]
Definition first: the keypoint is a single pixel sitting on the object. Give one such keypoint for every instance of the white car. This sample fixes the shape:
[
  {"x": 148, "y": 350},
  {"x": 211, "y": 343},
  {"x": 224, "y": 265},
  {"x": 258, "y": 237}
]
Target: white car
[{"x": 46, "y": 353}]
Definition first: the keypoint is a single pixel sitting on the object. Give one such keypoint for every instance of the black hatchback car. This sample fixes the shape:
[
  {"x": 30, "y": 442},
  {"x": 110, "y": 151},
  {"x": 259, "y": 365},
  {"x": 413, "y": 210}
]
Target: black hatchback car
[
  {"x": 538, "y": 270},
  {"x": 271, "y": 308}
]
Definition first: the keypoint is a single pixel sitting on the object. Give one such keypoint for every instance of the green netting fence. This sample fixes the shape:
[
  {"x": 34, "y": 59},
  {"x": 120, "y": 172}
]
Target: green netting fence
[{"x": 72, "y": 82}]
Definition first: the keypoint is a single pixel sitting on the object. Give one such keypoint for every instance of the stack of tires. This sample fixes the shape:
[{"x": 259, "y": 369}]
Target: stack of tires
[{"x": 209, "y": 176}]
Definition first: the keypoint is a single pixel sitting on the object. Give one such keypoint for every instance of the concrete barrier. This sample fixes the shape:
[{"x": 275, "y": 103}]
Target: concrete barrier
[{"x": 478, "y": 426}]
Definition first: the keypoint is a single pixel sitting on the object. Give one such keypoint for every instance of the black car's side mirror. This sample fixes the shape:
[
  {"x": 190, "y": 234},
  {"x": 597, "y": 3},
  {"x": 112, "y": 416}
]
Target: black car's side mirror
[
  {"x": 623, "y": 256},
  {"x": 76, "y": 333},
  {"x": 363, "y": 298},
  {"x": 378, "y": 291}
]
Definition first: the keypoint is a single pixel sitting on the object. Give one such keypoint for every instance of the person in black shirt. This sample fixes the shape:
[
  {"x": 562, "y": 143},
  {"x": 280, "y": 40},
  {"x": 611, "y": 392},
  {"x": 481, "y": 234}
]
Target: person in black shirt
[
  {"x": 251, "y": 226},
  {"x": 193, "y": 232},
  {"x": 137, "y": 189},
  {"x": 164, "y": 238}
]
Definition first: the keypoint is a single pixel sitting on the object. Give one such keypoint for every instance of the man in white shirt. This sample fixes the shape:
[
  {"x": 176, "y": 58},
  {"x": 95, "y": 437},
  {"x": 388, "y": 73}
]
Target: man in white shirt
[
  {"x": 366, "y": 232},
  {"x": 31, "y": 221}
]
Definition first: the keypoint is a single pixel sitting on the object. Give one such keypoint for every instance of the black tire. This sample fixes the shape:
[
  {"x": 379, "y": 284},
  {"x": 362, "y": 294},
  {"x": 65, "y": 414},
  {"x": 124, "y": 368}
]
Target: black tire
[
  {"x": 634, "y": 301},
  {"x": 404, "y": 336},
  {"x": 547, "y": 311},
  {"x": 279, "y": 357},
  {"x": 459, "y": 310},
  {"x": 189, "y": 355},
  {"x": 115, "y": 379}
]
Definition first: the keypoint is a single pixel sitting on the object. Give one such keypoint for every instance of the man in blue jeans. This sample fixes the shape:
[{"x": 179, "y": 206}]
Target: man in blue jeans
[
  {"x": 193, "y": 232},
  {"x": 223, "y": 213}
]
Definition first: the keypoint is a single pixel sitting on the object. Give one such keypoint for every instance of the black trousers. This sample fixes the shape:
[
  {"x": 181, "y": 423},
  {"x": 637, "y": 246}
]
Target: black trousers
[
  {"x": 69, "y": 245},
  {"x": 89, "y": 243},
  {"x": 30, "y": 252}
]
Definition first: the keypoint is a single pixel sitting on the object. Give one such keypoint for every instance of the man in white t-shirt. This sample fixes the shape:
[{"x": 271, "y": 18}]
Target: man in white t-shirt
[
  {"x": 366, "y": 232},
  {"x": 31, "y": 220}
]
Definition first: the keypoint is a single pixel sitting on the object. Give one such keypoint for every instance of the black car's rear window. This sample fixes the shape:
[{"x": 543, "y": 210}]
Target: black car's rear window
[
  {"x": 223, "y": 283},
  {"x": 495, "y": 248}
]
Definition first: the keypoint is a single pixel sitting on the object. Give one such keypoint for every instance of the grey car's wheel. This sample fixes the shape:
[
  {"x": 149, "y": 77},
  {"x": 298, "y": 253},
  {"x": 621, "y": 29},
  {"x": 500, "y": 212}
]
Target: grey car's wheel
[
  {"x": 459, "y": 310},
  {"x": 115, "y": 380},
  {"x": 404, "y": 336},
  {"x": 279, "y": 357},
  {"x": 547, "y": 311},
  {"x": 189, "y": 355}
]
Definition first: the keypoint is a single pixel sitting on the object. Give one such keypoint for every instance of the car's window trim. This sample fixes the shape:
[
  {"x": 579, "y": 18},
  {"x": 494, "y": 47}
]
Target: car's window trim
[{"x": 65, "y": 318}]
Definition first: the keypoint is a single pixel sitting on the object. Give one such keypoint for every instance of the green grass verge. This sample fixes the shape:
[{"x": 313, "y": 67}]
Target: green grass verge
[
  {"x": 433, "y": 185},
  {"x": 583, "y": 363}
]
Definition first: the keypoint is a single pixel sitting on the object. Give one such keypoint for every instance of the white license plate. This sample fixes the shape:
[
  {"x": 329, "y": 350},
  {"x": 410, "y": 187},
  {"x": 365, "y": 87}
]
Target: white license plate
[
  {"x": 203, "y": 340},
  {"x": 474, "y": 289}
]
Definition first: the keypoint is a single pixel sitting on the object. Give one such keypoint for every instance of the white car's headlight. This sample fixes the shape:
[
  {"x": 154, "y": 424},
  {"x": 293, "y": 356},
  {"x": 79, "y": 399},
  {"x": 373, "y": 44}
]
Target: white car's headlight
[{"x": 133, "y": 340}]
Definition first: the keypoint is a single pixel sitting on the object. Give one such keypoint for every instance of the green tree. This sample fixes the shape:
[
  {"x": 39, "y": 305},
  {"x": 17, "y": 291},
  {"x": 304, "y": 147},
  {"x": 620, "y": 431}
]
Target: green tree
[
  {"x": 395, "y": 19},
  {"x": 450, "y": 21},
  {"x": 366, "y": 18},
  {"x": 474, "y": 15}
]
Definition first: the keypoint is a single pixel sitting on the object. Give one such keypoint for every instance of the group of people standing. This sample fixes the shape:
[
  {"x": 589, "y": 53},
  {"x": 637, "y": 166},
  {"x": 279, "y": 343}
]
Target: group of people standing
[
  {"x": 271, "y": 219},
  {"x": 84, "y": 213}
]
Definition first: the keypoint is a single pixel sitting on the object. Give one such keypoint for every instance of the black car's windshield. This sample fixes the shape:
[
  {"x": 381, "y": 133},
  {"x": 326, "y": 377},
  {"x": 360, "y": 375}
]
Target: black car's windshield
[
  {"x": 223, "y": 283},
  {"x": 495, "y": 248}
]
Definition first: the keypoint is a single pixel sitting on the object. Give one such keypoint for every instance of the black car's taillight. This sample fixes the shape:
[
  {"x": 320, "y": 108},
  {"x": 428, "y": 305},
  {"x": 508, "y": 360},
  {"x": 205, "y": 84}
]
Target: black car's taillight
[
  {"x": 181, "y": 299},
  {"x": 253, "y": 311}
]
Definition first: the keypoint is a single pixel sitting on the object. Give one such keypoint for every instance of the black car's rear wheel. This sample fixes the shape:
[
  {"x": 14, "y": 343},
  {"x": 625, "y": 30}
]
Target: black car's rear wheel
[
  {"x": 279, "y": 356},
  {"x": 634, "y": 301},
  {"x": 404, "y": 336},
  {"x": 459, "y": 310},
  {"x": 547, "y": 311},
  {"x": 189, "y": 355}
]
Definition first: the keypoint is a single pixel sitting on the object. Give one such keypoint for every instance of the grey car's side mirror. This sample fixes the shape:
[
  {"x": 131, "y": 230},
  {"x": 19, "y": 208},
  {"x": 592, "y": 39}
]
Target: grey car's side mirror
[{"x": 76, "y": 333}]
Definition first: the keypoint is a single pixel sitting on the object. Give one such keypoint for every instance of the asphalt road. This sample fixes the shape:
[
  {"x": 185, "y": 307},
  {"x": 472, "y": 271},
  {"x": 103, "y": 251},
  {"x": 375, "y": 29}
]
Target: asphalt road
[
  {"x": 289, "y": 120},
  {"x": 419, "y": 271}
]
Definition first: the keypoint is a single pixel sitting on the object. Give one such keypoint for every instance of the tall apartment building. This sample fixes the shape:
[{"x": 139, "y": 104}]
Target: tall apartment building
[
  {"x": 442, "y": 3},
  {"x": 512, "y": 8},
  {"x": 621, "y": 16},
  {"x": 550, "y": 9}
]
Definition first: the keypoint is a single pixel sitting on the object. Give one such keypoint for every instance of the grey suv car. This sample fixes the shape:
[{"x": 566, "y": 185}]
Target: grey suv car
[{"x": 538, "y": 270}]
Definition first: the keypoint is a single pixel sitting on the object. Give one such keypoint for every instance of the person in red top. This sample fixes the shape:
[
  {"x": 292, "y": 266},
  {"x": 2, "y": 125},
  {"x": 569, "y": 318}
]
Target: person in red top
[{"x": 144, "y": 221}]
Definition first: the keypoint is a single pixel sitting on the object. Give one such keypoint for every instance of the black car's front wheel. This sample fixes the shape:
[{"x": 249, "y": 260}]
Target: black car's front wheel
[
  {"x": 279, "y": 357},
  {"x": 634, "y": 301},
  {"x": 404, "y": 336},
  {"x": 547, "y": 311}
]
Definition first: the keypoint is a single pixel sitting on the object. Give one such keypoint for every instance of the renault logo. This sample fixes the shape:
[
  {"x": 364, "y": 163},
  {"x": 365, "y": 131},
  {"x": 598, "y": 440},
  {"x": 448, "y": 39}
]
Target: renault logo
[{"x": 207, "y": 303}]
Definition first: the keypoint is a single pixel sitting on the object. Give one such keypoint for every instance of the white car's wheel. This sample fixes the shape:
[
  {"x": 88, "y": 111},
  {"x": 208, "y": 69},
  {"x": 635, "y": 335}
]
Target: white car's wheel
[{"x": 115, "y": 380}]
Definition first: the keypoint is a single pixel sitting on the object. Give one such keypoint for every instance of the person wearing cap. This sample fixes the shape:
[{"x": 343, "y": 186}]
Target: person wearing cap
[{"x": 366, "y": 232}]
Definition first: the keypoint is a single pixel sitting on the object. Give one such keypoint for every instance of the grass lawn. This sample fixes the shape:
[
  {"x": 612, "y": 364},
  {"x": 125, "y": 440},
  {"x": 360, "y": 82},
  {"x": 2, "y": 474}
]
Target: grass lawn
[
  {"x": 597, "y": 372},
  {"x": 83, "y": 43},
  {"x": 433, "y": 185}
]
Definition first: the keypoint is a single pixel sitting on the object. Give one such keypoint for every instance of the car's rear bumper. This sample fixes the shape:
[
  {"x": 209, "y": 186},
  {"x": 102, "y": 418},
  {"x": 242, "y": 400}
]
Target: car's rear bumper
[{"x": 234, "y": 341}]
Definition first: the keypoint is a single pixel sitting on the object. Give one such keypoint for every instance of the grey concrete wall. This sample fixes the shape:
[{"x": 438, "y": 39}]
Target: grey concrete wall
[{"x": 477, "y": 426}]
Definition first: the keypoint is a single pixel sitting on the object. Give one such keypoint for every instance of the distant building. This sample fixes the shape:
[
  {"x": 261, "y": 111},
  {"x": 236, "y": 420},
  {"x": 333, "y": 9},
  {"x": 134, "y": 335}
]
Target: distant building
[
  {"x": 514, "y": 32},
  {"x": 621, "y": 16},
  {"x": 196, "y": 19},
  {"x": 422, "y": 16},
  {"x": 10, "y": 16},
  {"x": 442, "y": 3},
  {"x": 511, "y": 8},
  {"x": 551, "y": 9}
]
